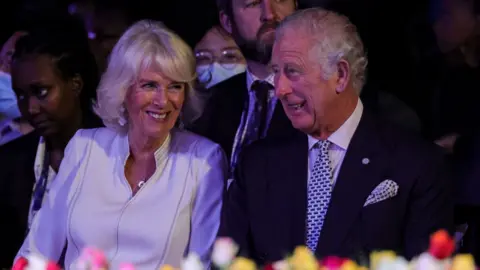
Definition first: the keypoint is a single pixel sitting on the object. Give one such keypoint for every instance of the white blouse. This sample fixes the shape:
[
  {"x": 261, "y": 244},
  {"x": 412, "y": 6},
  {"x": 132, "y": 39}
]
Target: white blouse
[{"x": 90, "y": 204}]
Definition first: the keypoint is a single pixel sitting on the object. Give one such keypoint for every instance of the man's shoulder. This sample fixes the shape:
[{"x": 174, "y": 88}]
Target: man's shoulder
[
  {"x": 21, "y": 145},
  {"x": 230, "y": 88},
  {"x": 406, "y": 145},
  {"x": 275, "y": 146}
]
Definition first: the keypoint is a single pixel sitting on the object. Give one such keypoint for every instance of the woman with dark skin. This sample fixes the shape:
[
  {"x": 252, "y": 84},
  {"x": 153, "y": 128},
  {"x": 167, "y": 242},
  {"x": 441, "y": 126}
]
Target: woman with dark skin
[{"x": 54, "y": 76}]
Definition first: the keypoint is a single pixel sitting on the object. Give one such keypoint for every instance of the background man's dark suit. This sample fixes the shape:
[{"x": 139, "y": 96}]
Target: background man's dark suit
[
  {"x": 266, "y": 207},
  {"x": 223, "y": 112}
]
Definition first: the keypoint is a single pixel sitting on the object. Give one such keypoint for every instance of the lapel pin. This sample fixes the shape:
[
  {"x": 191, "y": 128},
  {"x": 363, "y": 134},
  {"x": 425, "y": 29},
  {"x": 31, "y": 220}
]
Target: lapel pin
[{"x": 365, "y": 161}]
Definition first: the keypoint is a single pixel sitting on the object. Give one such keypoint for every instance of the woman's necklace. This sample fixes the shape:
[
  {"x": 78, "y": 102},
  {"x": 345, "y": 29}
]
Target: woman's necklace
[{"x": 139, "y": 186}]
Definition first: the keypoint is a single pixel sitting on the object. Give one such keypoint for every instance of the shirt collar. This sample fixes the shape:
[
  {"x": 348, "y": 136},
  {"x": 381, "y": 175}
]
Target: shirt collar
[
  {"x": 160, "y": 153},
  {"x": 343, "y": 135},
  {"x": 252, "y": 78}
]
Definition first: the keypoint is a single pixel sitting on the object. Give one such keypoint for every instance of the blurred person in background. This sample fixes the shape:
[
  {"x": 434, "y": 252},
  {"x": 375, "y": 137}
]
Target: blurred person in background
[
  {"x": 12, "y": 125},
  {"x": 139, "y": 168},
  {"x": 244, "y": 109},
  {"x": 447, "y": 81},
  {"x": 218, "y": 59},
  {"x": 54, "y": 77},
  {"x": 105, "y": 22}
]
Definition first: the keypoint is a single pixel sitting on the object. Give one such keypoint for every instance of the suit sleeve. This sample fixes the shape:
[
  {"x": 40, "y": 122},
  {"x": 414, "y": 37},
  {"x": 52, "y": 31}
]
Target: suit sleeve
[
  {"x": 431, "y": 207},
  {"x": 47, "y": 235},
  {"x": 235, "y": 218}
]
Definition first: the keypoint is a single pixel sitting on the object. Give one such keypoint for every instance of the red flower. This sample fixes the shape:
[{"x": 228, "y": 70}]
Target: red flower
[
  {"x": 52, "y": 266},
  {"x": 333, "y": 262},
  {"x": 441, "y": 245},
  {"x": 20, "y": 264},
  {"x": 268, "y": 267}
]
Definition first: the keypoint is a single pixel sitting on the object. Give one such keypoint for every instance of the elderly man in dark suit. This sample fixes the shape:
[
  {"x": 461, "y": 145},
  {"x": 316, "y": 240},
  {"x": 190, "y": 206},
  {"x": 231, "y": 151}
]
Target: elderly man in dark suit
[{"x": 346, "y": 183}]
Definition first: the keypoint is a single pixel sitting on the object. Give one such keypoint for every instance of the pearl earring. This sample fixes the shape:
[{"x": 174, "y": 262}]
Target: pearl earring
[{"x": 122, "y": 121}]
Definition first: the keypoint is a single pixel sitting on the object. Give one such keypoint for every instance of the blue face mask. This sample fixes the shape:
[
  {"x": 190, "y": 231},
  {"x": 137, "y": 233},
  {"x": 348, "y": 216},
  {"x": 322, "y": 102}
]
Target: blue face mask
[
  {"x": 8, "y": 99},
  {"x": 210, "y": 75}
]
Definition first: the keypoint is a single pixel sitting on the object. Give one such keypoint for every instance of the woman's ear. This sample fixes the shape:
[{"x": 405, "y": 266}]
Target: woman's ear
[{"x": 77, "y": 84}]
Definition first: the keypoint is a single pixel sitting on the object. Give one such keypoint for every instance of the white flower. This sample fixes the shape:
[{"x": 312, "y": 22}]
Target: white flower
[
  {"x": 192, "y": 262},
  {"x": 281, "y": 265},
  {"x": 398, "y": 263},
  {"x": 224, "y": 252},
  {"x": 427, "y": 262},
  {"x": 36, "y": 262}
]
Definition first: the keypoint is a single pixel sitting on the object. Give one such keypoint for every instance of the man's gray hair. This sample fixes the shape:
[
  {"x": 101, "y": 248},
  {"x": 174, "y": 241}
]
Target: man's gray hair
[{"x": 334, "y": 38}]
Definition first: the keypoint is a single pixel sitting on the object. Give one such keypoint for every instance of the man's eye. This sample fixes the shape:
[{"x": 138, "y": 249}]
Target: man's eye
[
  {"x": 291, "y": 71},
  {"x": 252, "y": 4}
]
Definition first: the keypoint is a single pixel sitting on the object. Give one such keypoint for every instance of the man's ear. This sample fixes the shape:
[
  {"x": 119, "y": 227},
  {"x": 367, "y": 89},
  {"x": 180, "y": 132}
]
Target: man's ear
[
  {"x": 225, "y": 21},
  {"x": 343, "y": 75}
]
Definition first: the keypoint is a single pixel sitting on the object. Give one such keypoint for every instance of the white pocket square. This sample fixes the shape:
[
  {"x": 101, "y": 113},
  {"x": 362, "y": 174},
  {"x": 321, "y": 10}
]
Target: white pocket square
[{"x": 386, "y": 189}]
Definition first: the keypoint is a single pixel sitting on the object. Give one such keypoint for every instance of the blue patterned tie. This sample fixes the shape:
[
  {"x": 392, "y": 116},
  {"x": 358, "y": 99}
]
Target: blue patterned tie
[
  {"x": 256, "y": 128},
  {"x": 319, "y": 193}
]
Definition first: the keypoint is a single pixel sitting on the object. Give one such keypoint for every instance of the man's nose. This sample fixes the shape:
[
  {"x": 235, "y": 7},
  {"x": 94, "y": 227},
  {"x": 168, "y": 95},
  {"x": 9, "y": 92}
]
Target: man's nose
[
  {"x": 282, "y": 86},
  {"x": 268, "y": 12}
]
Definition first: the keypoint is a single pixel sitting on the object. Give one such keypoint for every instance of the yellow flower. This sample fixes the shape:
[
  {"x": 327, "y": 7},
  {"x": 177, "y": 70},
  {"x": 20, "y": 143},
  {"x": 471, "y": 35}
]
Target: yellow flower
[
  {"x": 463, "y": 262},
  {"x": 349, "y": 265},
  {"x": 377, "y": 256},
  {"x": 167, "y": 267},
  {"x": 241, "y": 263},
  {"x": 303, "y": 259}
]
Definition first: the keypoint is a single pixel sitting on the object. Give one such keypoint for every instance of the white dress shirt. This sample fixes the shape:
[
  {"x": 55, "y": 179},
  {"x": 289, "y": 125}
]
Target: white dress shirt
[
  {"x": 339, "y": 141},
  {"x": 90, "y": 203}
]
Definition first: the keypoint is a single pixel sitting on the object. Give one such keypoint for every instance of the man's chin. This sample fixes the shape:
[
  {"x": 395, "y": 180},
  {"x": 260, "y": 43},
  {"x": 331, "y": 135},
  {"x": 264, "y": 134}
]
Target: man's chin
[{"x": 257, "y": 54}]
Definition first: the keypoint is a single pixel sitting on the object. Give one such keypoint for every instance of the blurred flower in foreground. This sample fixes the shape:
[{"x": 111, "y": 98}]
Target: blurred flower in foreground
[
  {"x": 441, "y": 245},
  {"x": 224, "y": 251},
  {"x": 241, "y": 263},
  {"x": 192, "y": 262},
  {"x": 303, "y": 258},
  {"x": 463, "y": 262}
]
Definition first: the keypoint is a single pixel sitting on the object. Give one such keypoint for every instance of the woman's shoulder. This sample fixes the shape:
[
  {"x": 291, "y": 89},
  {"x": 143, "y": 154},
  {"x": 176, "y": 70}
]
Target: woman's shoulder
[
  {"x": 99, "y": 135},
  {"x": 193, "y": 143}
]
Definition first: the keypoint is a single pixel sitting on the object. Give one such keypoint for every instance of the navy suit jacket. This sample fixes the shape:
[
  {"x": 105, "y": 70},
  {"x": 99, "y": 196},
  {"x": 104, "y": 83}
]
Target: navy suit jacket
[{"x": 265, "y": 208}]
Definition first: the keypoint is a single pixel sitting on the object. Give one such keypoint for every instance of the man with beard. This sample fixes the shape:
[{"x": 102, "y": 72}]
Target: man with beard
[{"x": 243, "y": 108}]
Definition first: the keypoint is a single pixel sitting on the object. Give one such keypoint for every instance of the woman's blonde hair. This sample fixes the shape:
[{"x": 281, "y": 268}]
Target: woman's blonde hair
[{"x": 146, "y": 44}]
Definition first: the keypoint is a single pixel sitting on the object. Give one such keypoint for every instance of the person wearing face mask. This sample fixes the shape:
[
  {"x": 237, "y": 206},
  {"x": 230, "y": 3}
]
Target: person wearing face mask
[
  {"x": 243, "y": 108},
  {"x": 218, "y": 58}
]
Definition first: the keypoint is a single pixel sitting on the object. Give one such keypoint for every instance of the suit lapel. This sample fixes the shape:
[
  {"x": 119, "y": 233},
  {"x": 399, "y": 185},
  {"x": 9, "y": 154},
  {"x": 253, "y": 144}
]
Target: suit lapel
[
  {"x": 360, "y": 172},
  {"x": 230, "y": 105},
  {"x": 287, "y": 190}
]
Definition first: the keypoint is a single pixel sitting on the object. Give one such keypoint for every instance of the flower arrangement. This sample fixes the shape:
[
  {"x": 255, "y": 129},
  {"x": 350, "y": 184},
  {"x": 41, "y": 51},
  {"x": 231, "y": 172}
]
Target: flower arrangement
[{"x": 438, "y": 257}]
